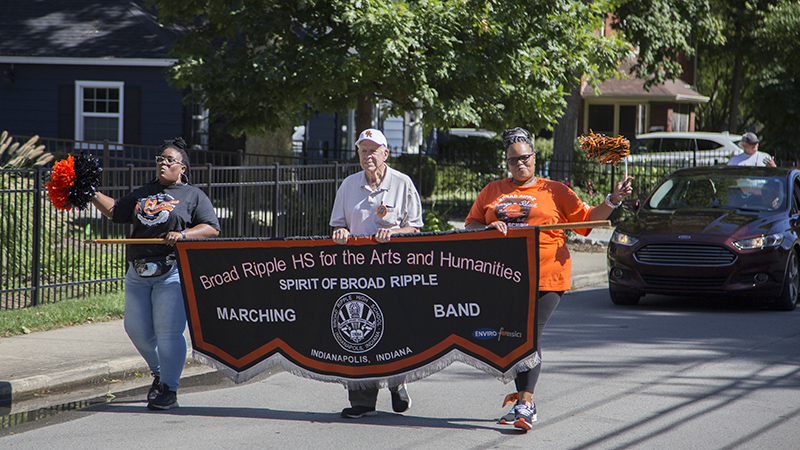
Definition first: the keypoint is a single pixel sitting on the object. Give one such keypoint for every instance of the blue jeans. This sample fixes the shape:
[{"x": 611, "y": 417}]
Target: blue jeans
[{"x": 155, "y": 320}]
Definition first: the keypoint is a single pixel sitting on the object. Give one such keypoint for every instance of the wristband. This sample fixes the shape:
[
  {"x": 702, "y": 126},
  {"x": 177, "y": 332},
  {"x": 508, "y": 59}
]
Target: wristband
[
  {"x": 611, "y": 205},
  {"x": 183, "y": 233}
]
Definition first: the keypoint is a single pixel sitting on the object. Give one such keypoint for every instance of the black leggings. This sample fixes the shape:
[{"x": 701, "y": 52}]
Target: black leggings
[{"x": 548, "y": 300}]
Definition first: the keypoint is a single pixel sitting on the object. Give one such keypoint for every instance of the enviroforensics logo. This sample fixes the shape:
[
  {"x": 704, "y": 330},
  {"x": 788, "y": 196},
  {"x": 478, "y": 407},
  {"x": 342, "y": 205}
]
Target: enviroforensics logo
[{"x": 489, "y": 333}]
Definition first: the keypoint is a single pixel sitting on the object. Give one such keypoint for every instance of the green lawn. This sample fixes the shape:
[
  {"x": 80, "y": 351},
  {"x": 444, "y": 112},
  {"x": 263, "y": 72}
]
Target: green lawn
[{"x": 65, "y": 313}]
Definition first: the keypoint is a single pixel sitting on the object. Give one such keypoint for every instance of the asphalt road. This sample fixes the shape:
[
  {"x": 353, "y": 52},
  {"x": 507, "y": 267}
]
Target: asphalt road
[{"x": 667, "y": 374}]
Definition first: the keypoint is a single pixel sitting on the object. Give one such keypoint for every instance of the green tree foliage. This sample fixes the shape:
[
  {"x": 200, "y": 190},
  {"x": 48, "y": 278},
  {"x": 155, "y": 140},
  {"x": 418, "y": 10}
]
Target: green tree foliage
[
  {"x": 660, "y": 30},
  {"x": 724, "y": 65},
  {"x": 775, "y": 99},
  {"x": 750, "y": 73},
  {"x": 491, "y": 63},
  {"x": 656, "y": 32}
]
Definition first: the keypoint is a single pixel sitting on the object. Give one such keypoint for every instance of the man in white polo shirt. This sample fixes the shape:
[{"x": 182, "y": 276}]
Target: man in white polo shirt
[
  {"x": 378, "y": 201},
  {"x": 751, "y": 155}
]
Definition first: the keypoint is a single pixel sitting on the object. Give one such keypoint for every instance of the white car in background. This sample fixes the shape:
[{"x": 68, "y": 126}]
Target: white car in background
[{"x": 683, "y": 148}]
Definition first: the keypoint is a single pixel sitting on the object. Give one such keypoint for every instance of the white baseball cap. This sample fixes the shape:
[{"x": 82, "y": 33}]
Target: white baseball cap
[{"x": 371, "y": 134}]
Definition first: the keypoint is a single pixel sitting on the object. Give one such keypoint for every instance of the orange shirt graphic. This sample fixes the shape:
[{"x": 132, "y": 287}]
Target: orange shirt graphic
[
  {"x": 154, "y": 206},
  {"x": 546, "y": 202}
]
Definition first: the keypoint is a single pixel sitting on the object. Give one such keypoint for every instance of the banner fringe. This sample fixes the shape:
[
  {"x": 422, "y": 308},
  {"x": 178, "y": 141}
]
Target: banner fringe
[{"x": 369, "y": 383}]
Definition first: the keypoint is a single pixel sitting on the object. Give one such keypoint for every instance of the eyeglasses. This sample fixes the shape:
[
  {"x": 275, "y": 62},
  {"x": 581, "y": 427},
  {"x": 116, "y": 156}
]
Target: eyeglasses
[
  {"x": 168, "y": 160},
  {"x": 524, "y": 158}
]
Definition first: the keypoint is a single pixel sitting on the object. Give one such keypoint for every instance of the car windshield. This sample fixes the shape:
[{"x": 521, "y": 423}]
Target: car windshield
[{"x": 732, "y": 192}]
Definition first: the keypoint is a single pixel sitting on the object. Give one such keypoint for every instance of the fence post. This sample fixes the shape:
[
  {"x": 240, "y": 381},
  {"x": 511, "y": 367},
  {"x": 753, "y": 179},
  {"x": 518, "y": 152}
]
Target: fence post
[
  {"x": 239, "y": 193},
  {"x": 208, "y": 181},
  {"x": 106, "y": 154},
  {"x": 104, "y": 221},
  {"x": 131, "y": 186},
  {"x": 419, "y": 170},
  {"x": 37, "y": 236},
  {"x": 275, "y": 201}
]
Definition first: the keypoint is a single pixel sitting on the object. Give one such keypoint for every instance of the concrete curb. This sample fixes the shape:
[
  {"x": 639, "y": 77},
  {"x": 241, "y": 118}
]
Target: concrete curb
[
  {"x": 94, "y": 374},
  {"x": 588, "y": 279}
]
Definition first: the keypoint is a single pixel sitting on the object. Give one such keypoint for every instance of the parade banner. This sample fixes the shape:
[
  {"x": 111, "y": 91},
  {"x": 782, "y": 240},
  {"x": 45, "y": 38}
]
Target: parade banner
[{"x": 364, "y": 314}]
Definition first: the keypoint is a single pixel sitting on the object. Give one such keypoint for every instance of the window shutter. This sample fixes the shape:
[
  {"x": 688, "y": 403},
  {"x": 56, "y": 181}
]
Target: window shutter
[
  {"x": 132, "y": 132},
  {"x": 66, "y": 111}
]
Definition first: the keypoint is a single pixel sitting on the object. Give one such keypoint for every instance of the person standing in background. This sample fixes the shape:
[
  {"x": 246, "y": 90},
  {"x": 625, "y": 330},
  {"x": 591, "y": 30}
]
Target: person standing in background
[{"x": 751, "y": 155}]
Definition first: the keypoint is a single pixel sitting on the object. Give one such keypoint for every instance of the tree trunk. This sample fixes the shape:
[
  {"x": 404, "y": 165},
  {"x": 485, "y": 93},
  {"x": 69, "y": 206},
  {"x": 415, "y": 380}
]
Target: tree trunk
[
  {"x": 736, "y": 85},
  {"x": 566, "y": 131},
  {"x": 363, "y": 113}
]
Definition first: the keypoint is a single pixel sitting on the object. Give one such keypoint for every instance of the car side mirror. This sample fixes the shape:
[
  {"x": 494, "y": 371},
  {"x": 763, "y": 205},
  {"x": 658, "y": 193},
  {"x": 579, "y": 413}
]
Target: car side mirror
[{"x": 631, "y": 206}]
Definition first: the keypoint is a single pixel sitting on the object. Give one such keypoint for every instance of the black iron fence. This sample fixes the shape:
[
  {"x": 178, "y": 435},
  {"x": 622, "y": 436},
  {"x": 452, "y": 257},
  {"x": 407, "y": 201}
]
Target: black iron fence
[
  {"x": 45, "y": 257},
  {"x": 122, "y": 155}
]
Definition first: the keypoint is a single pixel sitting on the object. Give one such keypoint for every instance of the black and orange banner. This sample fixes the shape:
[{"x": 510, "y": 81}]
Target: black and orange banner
[{"x": 364, "y": 314}]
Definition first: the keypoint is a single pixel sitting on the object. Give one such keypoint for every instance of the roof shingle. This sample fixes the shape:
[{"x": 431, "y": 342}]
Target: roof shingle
[{"x": 83, "y": 29}]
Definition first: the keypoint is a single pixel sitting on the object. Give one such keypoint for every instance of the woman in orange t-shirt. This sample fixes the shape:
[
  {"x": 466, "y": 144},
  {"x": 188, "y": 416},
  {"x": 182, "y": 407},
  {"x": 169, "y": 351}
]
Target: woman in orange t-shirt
[{"x": 525, "y": 200}]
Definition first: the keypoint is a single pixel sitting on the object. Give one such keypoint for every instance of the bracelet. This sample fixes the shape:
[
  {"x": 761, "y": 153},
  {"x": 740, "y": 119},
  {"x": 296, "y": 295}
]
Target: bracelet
[
  {"x": 183, "y": 233},
  {"x": 610, "y": 204}
]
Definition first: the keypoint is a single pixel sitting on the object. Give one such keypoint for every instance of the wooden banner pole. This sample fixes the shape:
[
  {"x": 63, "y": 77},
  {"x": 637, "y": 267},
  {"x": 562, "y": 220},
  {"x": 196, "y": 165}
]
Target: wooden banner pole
[
  {"x": 573, "y": 225},
  {"x": 127, "y": 241},
  {"x": 556, "y": 226}
]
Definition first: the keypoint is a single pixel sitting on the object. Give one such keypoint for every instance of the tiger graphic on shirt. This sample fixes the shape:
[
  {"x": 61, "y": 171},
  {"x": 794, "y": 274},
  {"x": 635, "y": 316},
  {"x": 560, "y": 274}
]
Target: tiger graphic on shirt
[{"x": 155, "y": 209}]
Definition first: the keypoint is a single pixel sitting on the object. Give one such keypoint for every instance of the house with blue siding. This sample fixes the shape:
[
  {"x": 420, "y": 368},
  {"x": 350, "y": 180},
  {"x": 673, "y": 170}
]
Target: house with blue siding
[{"x": 90, "y": 70}]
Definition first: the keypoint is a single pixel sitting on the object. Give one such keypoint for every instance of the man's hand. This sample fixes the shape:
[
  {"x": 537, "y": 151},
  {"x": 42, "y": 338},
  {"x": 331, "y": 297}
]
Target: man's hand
[
  {"x": 383, "y": 235},
  {"x": 340, "y": 235}
]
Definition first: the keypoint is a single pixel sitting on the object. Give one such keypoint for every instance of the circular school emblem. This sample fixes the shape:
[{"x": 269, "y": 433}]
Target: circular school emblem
[{"x": 357, "y": 322}]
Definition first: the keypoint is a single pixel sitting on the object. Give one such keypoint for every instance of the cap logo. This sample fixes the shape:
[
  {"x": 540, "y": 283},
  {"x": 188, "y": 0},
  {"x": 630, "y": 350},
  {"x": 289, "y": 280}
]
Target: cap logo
[{"x": 368, "y": 133}]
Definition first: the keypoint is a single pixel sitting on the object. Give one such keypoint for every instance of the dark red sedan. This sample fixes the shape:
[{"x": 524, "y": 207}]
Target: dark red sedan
[{"x": 718, "y": 230}]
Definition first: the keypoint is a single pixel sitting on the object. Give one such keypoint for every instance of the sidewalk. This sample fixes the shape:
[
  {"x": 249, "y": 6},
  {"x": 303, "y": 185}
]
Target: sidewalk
[{"x": 101, "y": 353}]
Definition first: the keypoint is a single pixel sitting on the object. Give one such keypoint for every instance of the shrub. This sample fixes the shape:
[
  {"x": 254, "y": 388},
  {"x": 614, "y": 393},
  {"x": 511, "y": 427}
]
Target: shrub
[
  {"x": 480, "y": 154},
  {"x": 411, "y": 164},
  {"x": 467, "y": 164},
  {"x": 436, "y": 222},
  {"x": 25, "y": 156}
]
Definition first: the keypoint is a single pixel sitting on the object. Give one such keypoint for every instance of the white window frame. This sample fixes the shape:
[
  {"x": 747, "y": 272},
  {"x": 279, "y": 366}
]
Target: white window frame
[
  {"x": 80, "y": 85},
  {"x": 681, "y": 114},
  {"x": 642, "y": 115}
]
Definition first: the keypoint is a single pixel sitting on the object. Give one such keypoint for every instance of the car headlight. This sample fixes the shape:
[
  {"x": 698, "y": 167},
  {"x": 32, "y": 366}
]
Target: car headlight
[
  {"x": 621, "y": 238},
  {"x": 773, "y": 240}
]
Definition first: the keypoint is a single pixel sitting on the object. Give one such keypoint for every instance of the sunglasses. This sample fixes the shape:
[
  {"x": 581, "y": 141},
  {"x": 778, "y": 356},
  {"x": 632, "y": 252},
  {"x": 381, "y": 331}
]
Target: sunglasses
[
  {"x": 168, "y": 160},
  {"x": 524, "y": 158}
]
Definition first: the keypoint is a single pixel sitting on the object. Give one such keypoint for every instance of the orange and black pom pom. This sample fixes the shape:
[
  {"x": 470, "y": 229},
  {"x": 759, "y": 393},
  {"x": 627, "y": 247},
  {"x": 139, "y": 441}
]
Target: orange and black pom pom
[
  {"x": 61, "y": 181},
  {"x": 604, "y": 148},
  {"x": 73, "y": 182}
]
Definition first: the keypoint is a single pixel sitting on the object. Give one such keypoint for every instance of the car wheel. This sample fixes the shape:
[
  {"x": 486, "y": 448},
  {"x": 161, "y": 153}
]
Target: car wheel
[
  {"x": 791, "y": 285},
  {"x": 623, "y": 297}
]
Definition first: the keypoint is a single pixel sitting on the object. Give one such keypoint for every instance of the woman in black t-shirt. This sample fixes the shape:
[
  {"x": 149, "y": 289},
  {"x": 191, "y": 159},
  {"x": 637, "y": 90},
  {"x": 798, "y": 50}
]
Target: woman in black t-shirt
[{"x": 155, "y": 319}]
